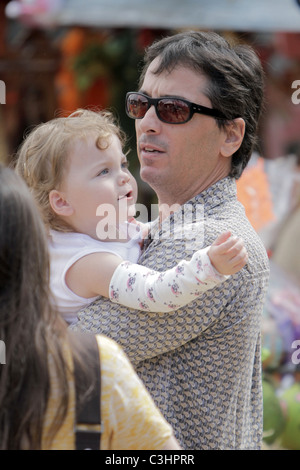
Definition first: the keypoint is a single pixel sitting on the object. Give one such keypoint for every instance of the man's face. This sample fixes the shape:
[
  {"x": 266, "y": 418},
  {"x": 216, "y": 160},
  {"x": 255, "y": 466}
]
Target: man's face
[{"x": 179, "y": 160}]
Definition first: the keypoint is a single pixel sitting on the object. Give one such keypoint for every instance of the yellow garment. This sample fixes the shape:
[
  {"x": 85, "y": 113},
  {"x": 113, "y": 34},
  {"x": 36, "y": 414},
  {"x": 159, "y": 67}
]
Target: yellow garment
[{"x": 131, "y": 420}]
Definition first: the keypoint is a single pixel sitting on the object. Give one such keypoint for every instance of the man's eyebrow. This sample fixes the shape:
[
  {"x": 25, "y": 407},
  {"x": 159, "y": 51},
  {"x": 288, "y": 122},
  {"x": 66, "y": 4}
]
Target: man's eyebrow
[{"x": 179, "y": 97}]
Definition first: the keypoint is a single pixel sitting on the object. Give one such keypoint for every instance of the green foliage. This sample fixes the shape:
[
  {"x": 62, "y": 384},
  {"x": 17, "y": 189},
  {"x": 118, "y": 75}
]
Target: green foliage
[
  {"x": 116, "y": 58},
  {"x": 273, "y": 422},
  {"x": 290, "y": 401}
]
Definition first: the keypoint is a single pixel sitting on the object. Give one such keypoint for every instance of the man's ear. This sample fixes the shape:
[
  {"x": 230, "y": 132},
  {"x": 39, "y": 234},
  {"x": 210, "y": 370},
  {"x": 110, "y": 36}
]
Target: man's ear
[
  {"x": 234, "y": 134},
  {"x": 59, "y": 204}
]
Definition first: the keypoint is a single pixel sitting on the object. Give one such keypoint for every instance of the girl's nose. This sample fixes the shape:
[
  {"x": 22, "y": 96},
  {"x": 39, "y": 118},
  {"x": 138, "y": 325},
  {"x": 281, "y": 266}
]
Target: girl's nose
[{"x": 124, "y": 177}]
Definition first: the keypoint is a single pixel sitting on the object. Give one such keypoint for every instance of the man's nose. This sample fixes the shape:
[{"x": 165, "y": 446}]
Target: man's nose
[{"x": 150, "y": 122}]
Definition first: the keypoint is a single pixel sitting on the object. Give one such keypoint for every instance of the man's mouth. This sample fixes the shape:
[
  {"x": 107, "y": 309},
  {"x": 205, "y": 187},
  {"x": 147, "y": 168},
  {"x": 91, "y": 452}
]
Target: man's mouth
[{"x": 150, "y": 149}]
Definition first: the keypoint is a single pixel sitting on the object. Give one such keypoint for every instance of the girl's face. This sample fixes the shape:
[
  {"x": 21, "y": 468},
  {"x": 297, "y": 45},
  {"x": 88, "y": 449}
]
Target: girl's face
[{"x": 97, "y": 189}]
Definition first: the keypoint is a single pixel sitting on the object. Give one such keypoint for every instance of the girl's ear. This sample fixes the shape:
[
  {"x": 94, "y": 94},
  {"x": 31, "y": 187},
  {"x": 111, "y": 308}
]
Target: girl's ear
[
  {"x": 59, "y": 204},
  {"x": 234, "y": 134}
]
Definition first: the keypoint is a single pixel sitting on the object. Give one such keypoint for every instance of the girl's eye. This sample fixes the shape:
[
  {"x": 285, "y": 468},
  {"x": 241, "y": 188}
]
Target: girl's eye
[
  {"x": 125, "y": 165},
  {"x": 103, "y": 172}
]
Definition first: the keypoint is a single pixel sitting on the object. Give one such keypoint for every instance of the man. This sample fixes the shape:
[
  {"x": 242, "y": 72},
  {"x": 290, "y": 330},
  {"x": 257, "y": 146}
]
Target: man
[{"x": 201, "y": 363}]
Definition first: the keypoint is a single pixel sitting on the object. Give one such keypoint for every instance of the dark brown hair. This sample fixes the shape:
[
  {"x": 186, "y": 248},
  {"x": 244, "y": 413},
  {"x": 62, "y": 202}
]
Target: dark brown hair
[
  {"x": 236, "y": 79},
  {"x": 29, "y": 325}
]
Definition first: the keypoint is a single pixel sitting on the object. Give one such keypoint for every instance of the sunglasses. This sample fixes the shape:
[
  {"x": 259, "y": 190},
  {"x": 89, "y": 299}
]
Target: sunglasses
[{"x": 168, "y": 109}]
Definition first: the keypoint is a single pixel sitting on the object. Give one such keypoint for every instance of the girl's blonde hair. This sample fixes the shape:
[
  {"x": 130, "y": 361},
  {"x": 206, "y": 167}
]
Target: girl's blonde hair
[{"x": 42, "y": 158}]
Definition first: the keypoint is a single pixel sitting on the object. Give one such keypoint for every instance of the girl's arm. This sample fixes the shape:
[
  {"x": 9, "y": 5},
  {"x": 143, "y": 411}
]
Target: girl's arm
[{"x": 141, "y": 288}]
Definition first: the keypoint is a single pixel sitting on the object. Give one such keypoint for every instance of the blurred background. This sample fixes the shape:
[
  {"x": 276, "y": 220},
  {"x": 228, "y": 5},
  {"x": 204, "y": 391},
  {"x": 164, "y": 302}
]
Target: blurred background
[{"x": 56, "y": 56}]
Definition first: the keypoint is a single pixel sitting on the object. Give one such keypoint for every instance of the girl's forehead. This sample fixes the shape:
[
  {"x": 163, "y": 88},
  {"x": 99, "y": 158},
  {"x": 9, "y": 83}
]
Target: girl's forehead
[{"x": 90, "y": 149}]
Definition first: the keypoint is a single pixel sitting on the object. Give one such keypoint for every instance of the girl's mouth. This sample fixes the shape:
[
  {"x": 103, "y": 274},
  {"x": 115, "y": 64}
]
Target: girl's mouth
[{"x": 126, "y": 196}]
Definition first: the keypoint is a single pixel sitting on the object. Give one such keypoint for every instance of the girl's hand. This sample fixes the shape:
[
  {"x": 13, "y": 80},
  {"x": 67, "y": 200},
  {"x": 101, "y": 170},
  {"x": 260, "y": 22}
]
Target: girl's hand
[{"x": 228, "y": 254}]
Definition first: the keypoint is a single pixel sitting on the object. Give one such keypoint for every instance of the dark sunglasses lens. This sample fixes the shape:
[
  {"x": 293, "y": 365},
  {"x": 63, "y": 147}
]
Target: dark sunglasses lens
[
  {"x": 173, "y": 111},
  {"x": 137, "y": 106}
]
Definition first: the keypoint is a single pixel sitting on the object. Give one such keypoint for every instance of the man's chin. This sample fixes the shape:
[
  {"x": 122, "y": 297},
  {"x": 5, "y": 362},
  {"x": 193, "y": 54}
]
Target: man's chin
[{"x": 155, "y": 177}]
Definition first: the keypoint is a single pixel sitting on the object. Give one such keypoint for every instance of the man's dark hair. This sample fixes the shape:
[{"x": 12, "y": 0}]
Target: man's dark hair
[{"x": 235, "y": 79}]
